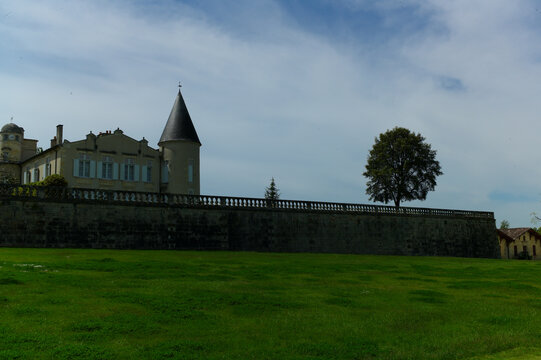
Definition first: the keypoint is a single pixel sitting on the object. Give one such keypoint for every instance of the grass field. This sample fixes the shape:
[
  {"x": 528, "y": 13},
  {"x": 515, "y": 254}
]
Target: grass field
[{"x": 102, "y": 304}]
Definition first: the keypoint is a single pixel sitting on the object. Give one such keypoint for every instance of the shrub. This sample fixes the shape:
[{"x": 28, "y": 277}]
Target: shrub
[
  {"x": 54, "y": 180},
  {"x": 524, "y": 256},
  {"x": 51, "y": 180}
]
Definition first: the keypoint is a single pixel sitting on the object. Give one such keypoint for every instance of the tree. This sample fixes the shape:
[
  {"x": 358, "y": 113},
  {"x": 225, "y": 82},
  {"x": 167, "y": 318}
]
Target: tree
[
  {"x": 7, "y": 178},
  {"x": 401, "y": 166},
  {"x": 504, "y": 224},
  {"x": 272, "y": 192}
]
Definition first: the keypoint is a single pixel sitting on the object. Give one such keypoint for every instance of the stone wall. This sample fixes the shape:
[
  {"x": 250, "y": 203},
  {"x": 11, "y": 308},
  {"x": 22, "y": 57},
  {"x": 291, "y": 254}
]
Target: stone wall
[{"x": 33, "y": 222}]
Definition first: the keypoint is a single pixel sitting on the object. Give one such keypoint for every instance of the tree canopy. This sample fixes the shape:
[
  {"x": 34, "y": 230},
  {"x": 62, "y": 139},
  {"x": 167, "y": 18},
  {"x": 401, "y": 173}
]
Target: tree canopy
[
  {"x": 504, "y": 224},
  {"x": 272, "y": 192},
  {"x": 401, "y": 167}
]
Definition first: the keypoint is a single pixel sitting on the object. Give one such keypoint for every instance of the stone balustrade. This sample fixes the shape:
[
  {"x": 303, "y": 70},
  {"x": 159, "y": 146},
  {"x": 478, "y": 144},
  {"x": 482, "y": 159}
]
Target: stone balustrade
[{"x": 62, "y": 194}]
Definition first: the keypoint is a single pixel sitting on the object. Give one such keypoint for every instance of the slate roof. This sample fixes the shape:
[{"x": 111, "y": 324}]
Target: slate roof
[
  {"x": 12, "y": 128},
  {"x": 179, "y": 125}
]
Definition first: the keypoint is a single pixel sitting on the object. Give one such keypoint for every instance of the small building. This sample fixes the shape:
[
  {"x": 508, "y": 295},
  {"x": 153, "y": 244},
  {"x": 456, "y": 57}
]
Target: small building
[
  {"x": 516, "y": 241},
  {"x": 109, "y": 160}
]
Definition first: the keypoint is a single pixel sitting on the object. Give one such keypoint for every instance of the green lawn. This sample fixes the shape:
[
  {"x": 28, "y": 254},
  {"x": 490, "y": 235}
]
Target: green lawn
[{"x": 110, "y": 304}]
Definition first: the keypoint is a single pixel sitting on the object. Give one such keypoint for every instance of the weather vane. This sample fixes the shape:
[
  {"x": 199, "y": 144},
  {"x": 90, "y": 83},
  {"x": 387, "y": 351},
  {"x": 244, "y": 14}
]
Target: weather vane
[{"x": 179, "y": 86}]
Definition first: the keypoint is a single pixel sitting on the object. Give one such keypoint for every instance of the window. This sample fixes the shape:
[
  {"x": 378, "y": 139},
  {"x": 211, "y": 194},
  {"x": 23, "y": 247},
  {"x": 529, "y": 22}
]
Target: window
[
  {"x": 165, "y": 172},
  {"x": 533, "y": 250},
  {"x": 129, "y": 170},
  {"x": 17, "y": 137},
  {"x": 107, "y": 168},
  {"x": 84, "y": 165},
  {"x": 27, "y": 176},
  {"x": 36, "y": 173},
  {"x": 190, "y": 171},
  {"x": 524, "y": 249},
  {"x": 47, "y": 167},
  {"x": 5, "y": 156},
  {"x": 5, "y": 136},
  {"x": 515, "y": 250},
  {"x": 149, "y": 171}
]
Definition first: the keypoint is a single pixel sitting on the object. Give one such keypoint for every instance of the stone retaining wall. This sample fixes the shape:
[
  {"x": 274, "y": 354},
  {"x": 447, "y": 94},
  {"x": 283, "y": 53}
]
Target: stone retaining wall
[{"x": 35, "y": 222}]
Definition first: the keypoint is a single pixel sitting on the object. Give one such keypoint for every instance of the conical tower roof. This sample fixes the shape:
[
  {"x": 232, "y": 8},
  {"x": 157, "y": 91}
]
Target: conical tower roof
[{"x": 179, "y": 125}]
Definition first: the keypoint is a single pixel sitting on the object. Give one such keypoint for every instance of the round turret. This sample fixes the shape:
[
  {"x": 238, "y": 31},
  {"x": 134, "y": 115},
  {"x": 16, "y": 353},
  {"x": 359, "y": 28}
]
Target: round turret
[
  {"x": 11, "y": 139},
  {"x": 179, "y": 147}
]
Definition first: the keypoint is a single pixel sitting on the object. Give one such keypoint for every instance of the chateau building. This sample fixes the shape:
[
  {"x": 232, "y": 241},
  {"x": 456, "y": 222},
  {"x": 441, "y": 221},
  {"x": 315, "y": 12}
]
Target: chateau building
[{"x": 109, "y": 160}]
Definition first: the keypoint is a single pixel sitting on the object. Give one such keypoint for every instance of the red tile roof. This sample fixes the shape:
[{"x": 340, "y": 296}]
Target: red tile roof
[{"x": 515, "y": 233}]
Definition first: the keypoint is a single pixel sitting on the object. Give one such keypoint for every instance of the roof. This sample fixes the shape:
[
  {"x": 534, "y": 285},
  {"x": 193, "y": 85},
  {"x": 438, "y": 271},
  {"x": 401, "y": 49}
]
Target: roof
[
  {"x": 504, "y": 235},
  {"x": 515, "y": 233},
  {"x": 12, "y": 128},
  {"x": 179, "y": 125}
]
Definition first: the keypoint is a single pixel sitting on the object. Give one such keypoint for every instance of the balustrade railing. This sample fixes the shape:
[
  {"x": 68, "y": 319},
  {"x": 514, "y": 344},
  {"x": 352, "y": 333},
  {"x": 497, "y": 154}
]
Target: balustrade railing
[{"x": 209, "y": 201}]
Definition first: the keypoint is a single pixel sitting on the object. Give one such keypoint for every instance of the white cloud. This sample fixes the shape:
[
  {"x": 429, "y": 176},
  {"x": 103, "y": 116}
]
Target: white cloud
[{"x": 270, "y": 98}]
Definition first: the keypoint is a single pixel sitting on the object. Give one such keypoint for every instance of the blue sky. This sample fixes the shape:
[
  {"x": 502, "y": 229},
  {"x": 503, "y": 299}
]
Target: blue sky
[{"x": 295, "y": 90}]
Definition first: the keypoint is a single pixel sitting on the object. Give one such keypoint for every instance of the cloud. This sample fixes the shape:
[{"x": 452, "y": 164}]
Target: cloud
[
  {"x": 451, "y": 84},
  {"x": 293, "y": 90}
]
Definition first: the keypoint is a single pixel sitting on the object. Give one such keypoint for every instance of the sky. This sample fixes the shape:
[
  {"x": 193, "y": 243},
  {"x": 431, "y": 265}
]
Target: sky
[{"x": 294, "y": 89}]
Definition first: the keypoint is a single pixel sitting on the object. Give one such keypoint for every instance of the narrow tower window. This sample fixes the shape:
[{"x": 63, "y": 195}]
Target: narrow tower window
[
  {"x": 190, "y": 171},
  {"x": 165, "y": 172}
]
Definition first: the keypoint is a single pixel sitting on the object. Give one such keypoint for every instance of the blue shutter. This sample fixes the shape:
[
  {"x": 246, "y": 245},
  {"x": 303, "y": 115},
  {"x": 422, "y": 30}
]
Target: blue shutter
[
  {"x": 76, "y": 167},
  {"x": 115, "y": 171},
  {"x": 100, "y": 175},
  {"x": 92, "y": 169},
  {"x": 122, "y": 172},
  {"x": 136, "y": 173},
  {"x": 144, "y": 173}
]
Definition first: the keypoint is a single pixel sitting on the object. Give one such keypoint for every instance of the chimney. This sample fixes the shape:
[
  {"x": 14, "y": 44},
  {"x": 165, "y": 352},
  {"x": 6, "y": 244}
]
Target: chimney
[
  {"x": 53, "y": 141},
  {"x": 59, "y": 139}
]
